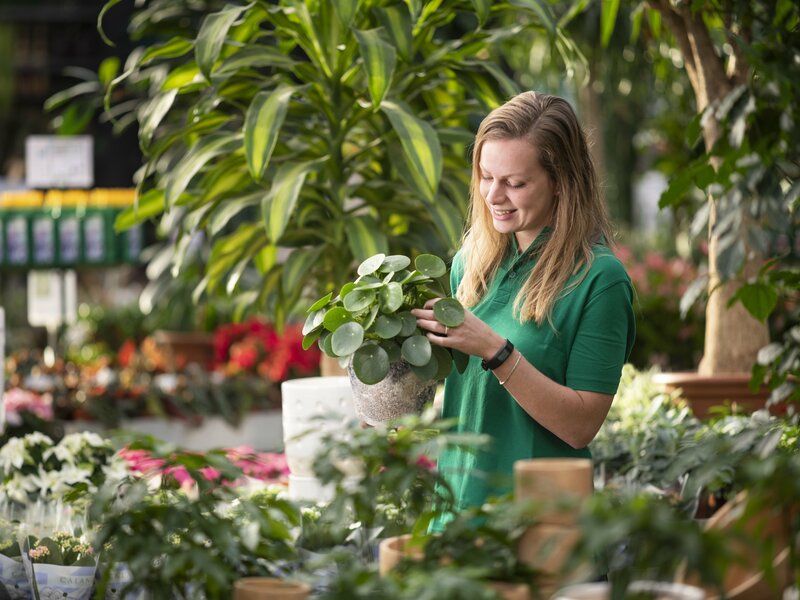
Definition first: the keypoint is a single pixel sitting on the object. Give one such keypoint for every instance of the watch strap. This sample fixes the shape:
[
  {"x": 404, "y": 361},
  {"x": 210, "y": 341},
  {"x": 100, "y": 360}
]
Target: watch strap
[{"x": 499, "y": 358}]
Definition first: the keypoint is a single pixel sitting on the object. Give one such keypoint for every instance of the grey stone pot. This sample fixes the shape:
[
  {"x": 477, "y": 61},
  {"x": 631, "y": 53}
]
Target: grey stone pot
[{"x": 399, "y": 393}]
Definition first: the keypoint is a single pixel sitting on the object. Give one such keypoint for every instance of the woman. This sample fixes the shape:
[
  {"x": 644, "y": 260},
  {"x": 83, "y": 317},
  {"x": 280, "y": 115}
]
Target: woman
[{"x": 550, "y": 320}]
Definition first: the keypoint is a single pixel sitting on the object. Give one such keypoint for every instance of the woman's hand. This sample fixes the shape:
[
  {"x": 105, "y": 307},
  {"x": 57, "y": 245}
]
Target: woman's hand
[{"x": 473, "y": 336}]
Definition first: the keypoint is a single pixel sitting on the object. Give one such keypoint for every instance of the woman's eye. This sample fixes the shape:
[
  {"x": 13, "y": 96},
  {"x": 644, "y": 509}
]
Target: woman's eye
[{"x": 516, "y": 186}]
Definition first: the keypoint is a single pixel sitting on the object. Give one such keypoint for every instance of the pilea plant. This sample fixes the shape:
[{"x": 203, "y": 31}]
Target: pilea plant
[{"x": 369, "y": 324}]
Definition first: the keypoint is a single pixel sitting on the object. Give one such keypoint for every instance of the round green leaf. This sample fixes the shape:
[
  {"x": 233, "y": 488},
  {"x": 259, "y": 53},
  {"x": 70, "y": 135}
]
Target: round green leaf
[
  {"x": 371, "y": 363},
  {"x": 371, "y": 317},
  {"x": 313, "y": 321},
  {"x": 416, "y": 350},
  {"x": 445, "y": 361},
  {"x": 391, "y": 297},
  {"x": 388, "y": 326},
  {"x": 336, "y": 317},
  {"x": 324, "y": 343},
  {"x": 430, "y": 265},
  {"x": 347, "y": 339},
  {"x": 320, "y": 303},
  {"x": 448, "y": 311},
  {"x": 358, "y": 300},
  {"x": 371, "y": 265},
  {"x": 401, "y": 276},
  {"x": 395, "y": 262},
  {"x": 346, "y": 289},
  {"x": 369, "y": 285},
  {"x": 392, "y": 350},
  {"x": 409, "y": 324},
  {"x": 312, "y": 337},
  {"x": 427, "y": 371}
]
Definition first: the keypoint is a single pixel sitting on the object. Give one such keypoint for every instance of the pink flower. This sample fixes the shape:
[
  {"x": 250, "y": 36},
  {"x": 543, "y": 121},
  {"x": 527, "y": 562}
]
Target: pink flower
[{"x": 18, "y": 400}]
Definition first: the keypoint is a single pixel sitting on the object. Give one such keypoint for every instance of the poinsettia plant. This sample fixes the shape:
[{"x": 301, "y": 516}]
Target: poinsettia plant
[{"x": 257, "y": 348}]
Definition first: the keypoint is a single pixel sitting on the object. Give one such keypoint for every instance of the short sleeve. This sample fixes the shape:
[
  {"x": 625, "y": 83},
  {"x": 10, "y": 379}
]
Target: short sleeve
[{"x": 603, "y": 340}]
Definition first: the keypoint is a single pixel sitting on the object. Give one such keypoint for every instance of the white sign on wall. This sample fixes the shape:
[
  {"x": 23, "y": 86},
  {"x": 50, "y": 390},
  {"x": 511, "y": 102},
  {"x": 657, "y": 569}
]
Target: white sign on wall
[
  {"x": 59, "y": 161},
  {"x": 52, "y": 298}
]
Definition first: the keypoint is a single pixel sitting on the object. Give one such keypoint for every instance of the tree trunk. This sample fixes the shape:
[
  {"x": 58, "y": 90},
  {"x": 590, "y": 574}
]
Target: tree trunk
[{"x": 733, "y": 336}]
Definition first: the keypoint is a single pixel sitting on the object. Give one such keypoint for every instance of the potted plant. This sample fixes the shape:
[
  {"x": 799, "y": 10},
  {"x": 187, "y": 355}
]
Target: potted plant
[
  {"x": 368, "y": 325},
  {"x": 60, "y": 565},
  {"x": 301, "y": 136},
  {"x": 744, "y": 137}
]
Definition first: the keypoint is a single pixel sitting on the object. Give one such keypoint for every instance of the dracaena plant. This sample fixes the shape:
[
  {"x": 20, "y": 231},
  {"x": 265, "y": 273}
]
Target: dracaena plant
[
  {"x": 302, "y": 137},
  {"x": 368, "y": 325}
]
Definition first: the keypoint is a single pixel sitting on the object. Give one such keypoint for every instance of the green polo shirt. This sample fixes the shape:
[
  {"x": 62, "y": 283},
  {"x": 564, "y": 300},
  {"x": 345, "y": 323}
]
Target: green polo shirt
[{"x": 591, "y": 336}]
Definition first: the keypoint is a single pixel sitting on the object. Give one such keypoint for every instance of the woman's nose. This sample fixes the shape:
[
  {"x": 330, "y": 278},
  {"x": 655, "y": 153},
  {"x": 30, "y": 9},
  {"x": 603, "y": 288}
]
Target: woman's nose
[{"x": 493, "y": 194}]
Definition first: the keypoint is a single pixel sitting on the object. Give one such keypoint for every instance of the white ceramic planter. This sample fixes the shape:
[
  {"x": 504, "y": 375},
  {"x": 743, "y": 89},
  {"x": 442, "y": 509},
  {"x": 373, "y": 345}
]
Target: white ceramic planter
[{"x": 312, "y": 408}]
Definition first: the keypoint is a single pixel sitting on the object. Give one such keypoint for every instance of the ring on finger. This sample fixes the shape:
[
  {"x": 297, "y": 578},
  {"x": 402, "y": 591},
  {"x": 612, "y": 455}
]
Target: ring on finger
[{"x": 446, "y": 329}]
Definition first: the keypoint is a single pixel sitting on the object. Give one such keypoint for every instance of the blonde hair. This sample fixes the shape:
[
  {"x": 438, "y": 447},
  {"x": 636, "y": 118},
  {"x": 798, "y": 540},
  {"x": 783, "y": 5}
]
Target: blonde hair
[{"x": 578, "y": 219}]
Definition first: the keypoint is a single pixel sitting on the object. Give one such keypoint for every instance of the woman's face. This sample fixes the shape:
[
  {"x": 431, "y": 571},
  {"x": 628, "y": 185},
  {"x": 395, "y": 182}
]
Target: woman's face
[{"x": 516, "y": 189}]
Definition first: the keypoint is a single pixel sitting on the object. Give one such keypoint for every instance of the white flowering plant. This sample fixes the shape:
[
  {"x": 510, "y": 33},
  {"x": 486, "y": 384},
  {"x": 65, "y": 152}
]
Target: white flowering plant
[
  {"x": 34, "y": 467},
  {"x": 63, "y": 549}
]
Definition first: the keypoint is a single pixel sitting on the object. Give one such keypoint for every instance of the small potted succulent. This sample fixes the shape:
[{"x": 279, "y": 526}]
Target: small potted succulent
[{"x": 368, "y": 325}]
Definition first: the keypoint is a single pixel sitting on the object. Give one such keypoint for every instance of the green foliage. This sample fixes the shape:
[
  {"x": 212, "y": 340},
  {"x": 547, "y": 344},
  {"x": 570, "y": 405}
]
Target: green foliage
[
  {"x": 310, "y": 128},
  {"x": 369, "y": 323},
  {"x": 642, "y": 434},
  {"x": 643, "y": 536},
  {"x": 390, "y": 468},
  {"x": 173, "y": 540}
]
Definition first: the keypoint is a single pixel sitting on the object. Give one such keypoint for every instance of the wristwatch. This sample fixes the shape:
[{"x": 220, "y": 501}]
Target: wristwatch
[{"x": 499, "y": 358}]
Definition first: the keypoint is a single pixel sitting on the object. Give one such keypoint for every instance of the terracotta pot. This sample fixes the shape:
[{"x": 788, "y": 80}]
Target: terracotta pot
[
  {"x": 269, "y": 588},
  {"x": 703, "y": 392},
  {"x": 546, "y": 548},
  {"x": 400, "y": 393},
  {"x": 744, "y": 580},
  {"x": 511, "y": 591},
  {"x": 558, "y": 483},
  {"x": 659, "y": 591},
  {"x": 183, "y": 347},
  {"x": 394, "y": 549}
]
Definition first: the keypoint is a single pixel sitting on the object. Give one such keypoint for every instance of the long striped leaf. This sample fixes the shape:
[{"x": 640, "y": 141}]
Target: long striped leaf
[
  {"x": 365, "y": 237},
  {"x": 173, "y": 48},
  {"x": 543, "y": 12},
  {"x": 150, "y": 204},
  {"x": 379, "y": 61},
  {"x": 262, "y": 125},
  {"x": 482, "y": 8},
  {"x": 397, "y": 23},
  {"x": 229, "y": 208},
  {"x": 508, "y": 85},
  {"x": 212, "y": 36},
  {"x": 278, "y": 206},
  {"x": 100, "y": 16},
  {"x": 448, "y": 221},
  {"x": 608, "y": 19},
  {"x": 254, "y": 56},
  {"x": 295, "y": 268},
  {"x": 180, "y": 77},
  {"x": 421, "y": 147},
  {"x": 346, "y": 9},
  {"x": 206, "y": 149},
  {"x": 151, "y": 114}
]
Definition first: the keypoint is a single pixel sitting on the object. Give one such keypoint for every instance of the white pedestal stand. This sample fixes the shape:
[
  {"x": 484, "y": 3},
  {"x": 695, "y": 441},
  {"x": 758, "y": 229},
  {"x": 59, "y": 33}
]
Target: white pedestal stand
[{"x": 312, "y": 408}]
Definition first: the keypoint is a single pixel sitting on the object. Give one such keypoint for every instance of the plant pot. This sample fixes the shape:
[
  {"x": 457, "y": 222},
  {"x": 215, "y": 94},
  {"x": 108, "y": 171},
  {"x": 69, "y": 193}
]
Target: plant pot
[
  {"x": 745, "y": 580},
  {"x": 659, "y": 591},
  {"x": 394, "y": 549},
  {"x": 312, "y": 408},
  {"x": 400, "y": 393},
  {"x": 703, "y": 392},
  {"x": 183, "y": 347},
  {"x": 511, "y": 591},
  {"x": 546, "y": 548},
  {"x": 559, "y": 484},
  {"x": 269, "y": 588}
]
